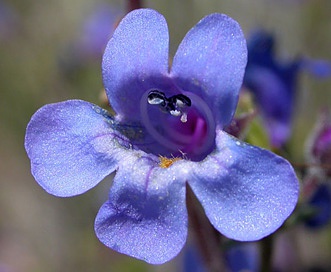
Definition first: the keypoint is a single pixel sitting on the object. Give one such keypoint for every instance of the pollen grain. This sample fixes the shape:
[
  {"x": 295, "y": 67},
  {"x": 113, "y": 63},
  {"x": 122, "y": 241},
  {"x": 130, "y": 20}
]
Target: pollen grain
[{"x": 167, "y": 162}]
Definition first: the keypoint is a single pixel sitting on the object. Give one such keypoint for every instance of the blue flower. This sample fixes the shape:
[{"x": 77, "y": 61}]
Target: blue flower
[
  {"x": 320, "y": 203},
  {"x": 318, "y": 147},
  {"x": 316, "y": 182},
  {"x": 243, "y": 257},
  {"x": 274, "y": 83},
  {"x": 167, "y": 131},
  {"x": 192, "y": 260},
  {"x": 9, "y": 21},
  {"x": 91, "y": 41},
  {"x": 97, "y": 29}
]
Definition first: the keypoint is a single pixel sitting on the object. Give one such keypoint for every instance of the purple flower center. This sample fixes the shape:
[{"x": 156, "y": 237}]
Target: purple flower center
[{"x": 182, "y": 124}]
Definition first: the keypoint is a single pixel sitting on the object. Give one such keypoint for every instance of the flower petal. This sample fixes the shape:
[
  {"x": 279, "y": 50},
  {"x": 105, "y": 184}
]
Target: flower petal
[
  {"x": 71, "y": 148},
  {"x": 247, "y": 192},
  {"x": 145, "y": 216},
  {"x": 317, "y": 67},
  {"x": 135, "y": 55},
  {"x": 211, "y": 60}
]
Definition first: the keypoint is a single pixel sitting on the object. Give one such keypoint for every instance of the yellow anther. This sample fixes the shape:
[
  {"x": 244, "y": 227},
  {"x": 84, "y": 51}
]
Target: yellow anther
[{"x": 166, "y": 162}]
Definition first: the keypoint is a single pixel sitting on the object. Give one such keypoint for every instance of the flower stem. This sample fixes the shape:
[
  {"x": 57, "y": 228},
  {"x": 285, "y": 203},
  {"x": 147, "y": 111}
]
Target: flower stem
[
  {"x": 207, "y": 238},
  {"x": 134, "y": 4},
  {"x": 266, "y": 253}
]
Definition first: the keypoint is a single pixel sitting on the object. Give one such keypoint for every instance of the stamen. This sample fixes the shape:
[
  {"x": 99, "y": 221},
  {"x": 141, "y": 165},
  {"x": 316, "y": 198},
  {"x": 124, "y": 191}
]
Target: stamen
[
  {"x": 156, "y": 98},
  {"x": 155, "y": 132},
  {"x": 180, "y": 100},
  {"x": 194, "y": 130},
  {"x": 175, "y": 104},
  {"x": 175, "y": 113},
  {"x": 183, "y": 118},
  {"x": 167, "y": 162}
]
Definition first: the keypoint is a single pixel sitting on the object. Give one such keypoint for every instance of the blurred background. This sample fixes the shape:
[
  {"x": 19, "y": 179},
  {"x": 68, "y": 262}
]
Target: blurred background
[{"x": 51, "y": 51}]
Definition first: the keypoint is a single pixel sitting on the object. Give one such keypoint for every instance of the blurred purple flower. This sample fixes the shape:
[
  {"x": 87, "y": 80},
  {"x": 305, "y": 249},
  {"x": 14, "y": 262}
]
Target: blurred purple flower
[
  {"x": 193, "y": 260},
  {"x": 320, "y": 202},
  {"x": 316, "y": 187},
  {"x": 274, "y": 83},
  {"x": 167, "y": 131},
  {"x": 97, "y": 28},
  {"x": 318, "y": 149},
  {"x": 9, "y": 21},
  {"x": 322, "y": 150},
  {"x": 243, "y": 257}
]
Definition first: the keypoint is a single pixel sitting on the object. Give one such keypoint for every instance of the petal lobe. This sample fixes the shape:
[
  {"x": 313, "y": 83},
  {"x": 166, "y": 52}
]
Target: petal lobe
[
  {"x": 247, "y": 192},
  {"x": 71, "y": 148}
]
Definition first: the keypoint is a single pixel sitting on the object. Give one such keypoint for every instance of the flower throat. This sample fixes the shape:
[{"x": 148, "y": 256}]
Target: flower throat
[
  {"x": 181, "y": 124},
  {"x": 176, "y": 105}
]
